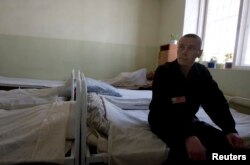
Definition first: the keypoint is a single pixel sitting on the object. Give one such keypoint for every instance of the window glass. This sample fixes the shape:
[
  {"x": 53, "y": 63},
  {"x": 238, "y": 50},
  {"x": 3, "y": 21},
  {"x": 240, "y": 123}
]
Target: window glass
[
  {"x": 220, "y": 29},
  {"x": 224, "y": 26}
]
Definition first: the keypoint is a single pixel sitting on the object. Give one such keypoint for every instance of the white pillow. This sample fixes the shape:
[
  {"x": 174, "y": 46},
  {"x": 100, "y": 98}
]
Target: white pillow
[{"x": 101, "y": 87}]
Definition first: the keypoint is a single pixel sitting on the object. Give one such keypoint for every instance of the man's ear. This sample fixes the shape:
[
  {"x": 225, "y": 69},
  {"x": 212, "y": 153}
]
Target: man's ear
[{"x": 200, "y": 53}]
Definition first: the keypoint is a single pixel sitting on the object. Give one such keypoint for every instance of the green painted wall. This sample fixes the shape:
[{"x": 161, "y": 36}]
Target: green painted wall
[
  {"x": 48, "y": 58},
  {"x": 46, "y": 39},
  {"x": 232, "y": 81},
  {"x": 171, "y": 19}
]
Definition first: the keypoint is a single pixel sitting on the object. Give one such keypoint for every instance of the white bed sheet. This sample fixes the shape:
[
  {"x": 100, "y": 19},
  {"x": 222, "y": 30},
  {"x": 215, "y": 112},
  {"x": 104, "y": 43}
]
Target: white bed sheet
[
  {"x": 131, "y": 99},
  {"x": 242, "y": 123},
  {"x": 130, "y": 140},
  {"x": 26, "y": 82},
  {"x": 35, "y": 134},
  {"x": 135, "y": 94}
]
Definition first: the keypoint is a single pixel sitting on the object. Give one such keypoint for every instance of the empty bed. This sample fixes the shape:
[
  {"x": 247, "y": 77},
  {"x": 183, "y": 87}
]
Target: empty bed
[{"x": 39, "y": 126}]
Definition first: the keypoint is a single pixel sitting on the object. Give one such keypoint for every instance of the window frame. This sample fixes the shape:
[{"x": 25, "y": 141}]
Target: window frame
[
  {"x": 242, "y": 29},
  {"x": 241, "y": 34}
]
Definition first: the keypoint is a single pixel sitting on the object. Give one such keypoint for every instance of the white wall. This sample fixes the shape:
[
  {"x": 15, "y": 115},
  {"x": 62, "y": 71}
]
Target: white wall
[
  {"x": 46, "y": 18},
  {"x": 171, "y": 20},
  {"x": 113, "y": 21},
  {"x": 233, "y": 82}
]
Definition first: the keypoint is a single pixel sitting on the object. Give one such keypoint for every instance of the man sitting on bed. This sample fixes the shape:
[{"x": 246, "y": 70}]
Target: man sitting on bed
[{"x": 179, "y": 89}]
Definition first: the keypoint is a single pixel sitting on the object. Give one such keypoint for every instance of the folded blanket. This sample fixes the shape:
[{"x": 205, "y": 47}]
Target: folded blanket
[{"x": 130, "y": 104}]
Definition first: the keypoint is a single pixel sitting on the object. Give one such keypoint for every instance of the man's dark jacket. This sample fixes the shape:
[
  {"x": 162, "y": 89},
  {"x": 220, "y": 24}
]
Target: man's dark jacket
[{"x": 177, "y": 98}]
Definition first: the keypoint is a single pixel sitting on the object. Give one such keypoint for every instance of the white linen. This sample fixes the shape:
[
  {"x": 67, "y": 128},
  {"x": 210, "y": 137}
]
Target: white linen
[
  {"x": 131, "y": 99},
  {"x": 26, "y": 82},
  {"x": 23, "y": 98},
  {"x": 34, "y": 134},
  {"x": 130, "y": 139},
  {"x": 242, "y": 123},
  {"x": 130, "y": 79},
  {"x": 130, "y": 104},
  {"x": 135, "y": 94}
]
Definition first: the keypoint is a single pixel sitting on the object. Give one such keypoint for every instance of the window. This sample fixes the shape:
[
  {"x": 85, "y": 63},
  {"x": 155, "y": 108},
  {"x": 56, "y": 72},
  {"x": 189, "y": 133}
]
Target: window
[
  {"x": 220, "y": 28},
  {"x": 243, "y": 45},
  {"x": 224, "y": 28}
]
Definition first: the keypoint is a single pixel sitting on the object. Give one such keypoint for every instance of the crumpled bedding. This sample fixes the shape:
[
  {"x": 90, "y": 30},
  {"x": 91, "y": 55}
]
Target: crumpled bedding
[
  {"x": 98, "y": 125},
  {"x": 24, "y": 98},
  {"x": 130, "y": 80},
  {"x": 96, "y": 114},
  {"x": 35, "y": 134}
]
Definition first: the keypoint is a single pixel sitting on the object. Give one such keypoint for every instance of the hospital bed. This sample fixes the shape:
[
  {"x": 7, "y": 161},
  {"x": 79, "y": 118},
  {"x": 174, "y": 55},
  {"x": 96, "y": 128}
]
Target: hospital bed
[
  {"x": 123, "y": 135},
  {"x": 41, "y": 125}
]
